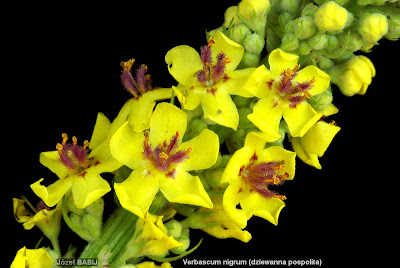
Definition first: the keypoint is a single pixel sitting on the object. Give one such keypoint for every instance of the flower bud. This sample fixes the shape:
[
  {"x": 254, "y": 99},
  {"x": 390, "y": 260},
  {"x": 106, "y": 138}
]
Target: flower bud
[
  {"x": 230, "y": 16},
  {"x": 357, "y": 77},
  {"x": 174, "y": 228},
  {"x": 331, "y": 17},
  {"x": 284, "y": 18},
  {"x": 241, "y": 101},
  {"x": 250, "y": 60},
  {"x": 304, "y": 48},
  {"x": 182, "y": 249},
  {"x": 304, "y": 27},
  {"x": 318, "y": 41},
  {"x": 244, "y": 122},
  {"x": 394, "y": 28},
  {"x": 289, "y": 42},
  {"x": 92, "y": 224},
  {"x": 254, "y": 14},
  {"x": 373, "y": 27},
  {"x": 254, "y": 43},
  {"x": 324, "y": 63},
  {"x": 309, "y": 10},
  {"x": 290, "y": 6},
  {"x": 198, "y": 125},
  {"x": 333, "y": 42},
  {"x": 239, "y": 32},
  {"x": 96, "y": 208},
  {"x": 320, "y": 101}
]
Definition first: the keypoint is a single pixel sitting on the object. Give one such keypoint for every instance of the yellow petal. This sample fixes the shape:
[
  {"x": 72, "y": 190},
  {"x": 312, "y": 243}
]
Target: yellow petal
[
  {"x": 185, "y": 189},
  {"x": 240, "y": 158},
  {"x": 205, "y": 148},
  {"x": 52, "y": 193},
  {"x": 100, "y": 131},
  {"x": 191, "y": 99},
  {"x": 237, "y": 79},
  {"x": 219, "y": 107},
  {"x": 87, "y": 188},
  {"x": 21, "y": 214},
  {"x": 256, "y": 83},
  {"x": 232, "y": 196},
  {"x": 166, "y": 120},
  {"x": 279, "y": 60},
  {"x": 127, "y": 146},
  {"x": 122, "y": 117},
  {"x": 267, "y": 208},
  {"x": 321, "y": 81},
  {"x": 51, "y": 161},
  {"x": 300, "y": 118},
  {"x": 275, "y": 153},
  {"x": 183, "y": 62},
  {"x": 267, "y": 116},
  {"x": 318, "y": 138},
  {"x": 34, "y": 258},
  {"x": 137, "y": 192},
  {"x": 308, "y": 158},
  {"x": 232, "y": 49}
]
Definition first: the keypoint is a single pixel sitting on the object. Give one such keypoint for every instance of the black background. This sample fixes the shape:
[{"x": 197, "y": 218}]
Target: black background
[{"x": 62, "y": 68}]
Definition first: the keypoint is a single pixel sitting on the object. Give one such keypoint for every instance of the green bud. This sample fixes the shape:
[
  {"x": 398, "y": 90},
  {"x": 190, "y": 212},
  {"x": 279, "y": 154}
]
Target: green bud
[
  {"x": 75, "y": 218},
  {"x": 198, "y": 125},
  {"x": 289, "y": 42},
  {"x": 333, "y": 42},
  {"x": 354, "y": 43},
  {"x": 174, "y": 228},
  {"x": 273, "y": 41},
  {"x": 290, "y": 6},
  {"x": 304, "y": 48},
  {"x": 304, "y": 27},
  {"x": 320, "y": 101},
  {"x": 92, "y": 224},
  {"x": 182, "y": 249},
  {"x": 236, "y": 140},
  {"x": 254, "y": 43},
  {"x": 394, "y": 28},
  {"x": 283, "y": 19},
  {"x": 250, "y": 60},
  {"x": 239, "y": 32},
  {"x": 96, "y": 208},
  {"x": 325, "y": 63},
  {"x": 214, "y": 177},
  {"x": 241, "y": 101},
  {"x": 185, "y": 231},
  {"x": 318, "y": 41},
  {"x": 244, "y": 122},
  {"x": 309, "y": 10}
]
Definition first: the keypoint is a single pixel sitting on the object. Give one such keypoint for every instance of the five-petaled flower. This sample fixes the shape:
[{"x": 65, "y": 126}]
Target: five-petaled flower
[
  {"x": 283, "y": 91},
  {"x": 202, "y": 80},
  {"x": 251, "y": 172},
  {"x": 78, "y": 170},
  {"x": 160, "y": 161}
]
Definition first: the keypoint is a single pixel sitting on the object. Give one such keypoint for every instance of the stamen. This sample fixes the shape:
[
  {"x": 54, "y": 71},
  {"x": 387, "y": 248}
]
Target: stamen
[
  {"x": 138, "y": 85},
  {"x": 64, "y": 137},
  {"x": 73, "y": 156}
]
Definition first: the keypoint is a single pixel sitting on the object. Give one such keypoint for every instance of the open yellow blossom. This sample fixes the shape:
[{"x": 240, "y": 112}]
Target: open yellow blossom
[
  {"x": 145, "y": 96},
  {"x": 78, "y": 170},
  {"x": 160, "y": 161},
  {"x": 209, "y": 83},
  {"x": 283, "y": 91},
  {"x": 250, "y": 172},
  {"x": 32, "y": 258}
]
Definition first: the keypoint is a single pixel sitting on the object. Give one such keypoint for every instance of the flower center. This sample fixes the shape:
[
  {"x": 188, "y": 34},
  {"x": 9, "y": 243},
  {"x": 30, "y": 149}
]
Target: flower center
[
  {"x": 140, "y": 84},
  {"x": 260, "y": 176},
  {"x": 73, "y": 156},
  {"x": 212, "y": 73},
  {"x": 165, "y": 156},
  {"x": 290, "y": 90}
]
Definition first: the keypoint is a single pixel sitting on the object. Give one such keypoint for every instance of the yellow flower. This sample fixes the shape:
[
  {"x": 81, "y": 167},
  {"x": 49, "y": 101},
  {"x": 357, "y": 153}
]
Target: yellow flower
[
  {"x": 283, "y": 91},
  {"x": 317, "y": 140},
  {"x": 227, "y": 227},
  {"x": 331, "y": 17},
  {"x": 209, "y": 83},
  {"x": 373, "y": 27},
  {"x": 250, "y": 172},
  {"x": 155, "y": 237},
  {"x": 160, "y": 161},
  {"x": 150, "y": 264},
  {"x": 45, "y": 218},
  {"x": 77, "y": 170},
  {"x": 357, "y": 77},
  {"x": 145, "y": 96},
  {"x": 32, "y": 258}
]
